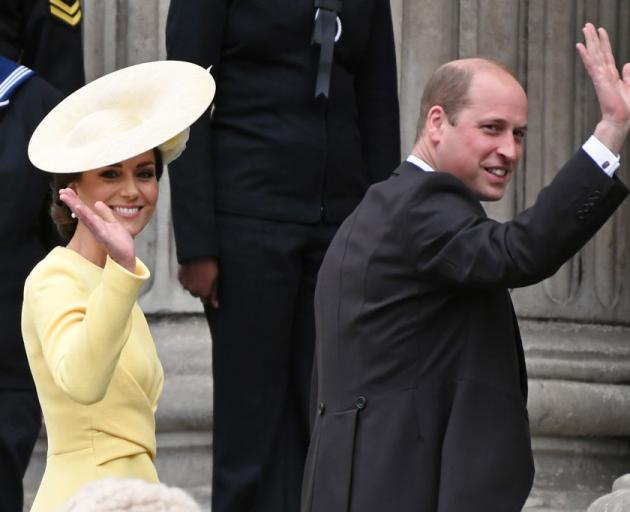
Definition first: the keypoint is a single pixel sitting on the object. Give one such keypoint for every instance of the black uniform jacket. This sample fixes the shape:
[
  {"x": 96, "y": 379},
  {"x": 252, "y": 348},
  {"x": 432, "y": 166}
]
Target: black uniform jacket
[
  {"x": 26, "y": 230},
  {"x": 45, "y": 35},
  {"x": 422, "y": 381},
  {"x": 271, "y": 150}
]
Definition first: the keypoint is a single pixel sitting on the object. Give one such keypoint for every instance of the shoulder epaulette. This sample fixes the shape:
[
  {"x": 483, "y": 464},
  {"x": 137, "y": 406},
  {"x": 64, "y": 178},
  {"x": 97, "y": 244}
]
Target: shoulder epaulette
[{"x": 12, "y": 75}]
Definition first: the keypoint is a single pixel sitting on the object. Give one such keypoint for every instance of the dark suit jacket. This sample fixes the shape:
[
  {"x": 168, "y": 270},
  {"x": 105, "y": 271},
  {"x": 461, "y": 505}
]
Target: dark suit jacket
[
  {"x": 271, "y": 150},
  {"x": 422, "y": 384}
]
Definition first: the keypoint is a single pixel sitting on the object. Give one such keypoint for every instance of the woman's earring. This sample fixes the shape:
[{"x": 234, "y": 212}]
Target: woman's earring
[{"x": 73, "y": 215}]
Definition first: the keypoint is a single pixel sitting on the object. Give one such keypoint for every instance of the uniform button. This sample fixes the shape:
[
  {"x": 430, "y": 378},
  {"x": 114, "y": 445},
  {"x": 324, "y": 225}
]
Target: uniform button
[
  {"x": 320, "y": 408},
  {"x": 360, "y": 402}
]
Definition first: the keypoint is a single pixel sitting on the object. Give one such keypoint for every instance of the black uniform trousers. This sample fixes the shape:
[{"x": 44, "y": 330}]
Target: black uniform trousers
[
  {"x": 20, "y": 419},
  {"x": 263, "y": 342},
  {"x": 20, "y": 414}
]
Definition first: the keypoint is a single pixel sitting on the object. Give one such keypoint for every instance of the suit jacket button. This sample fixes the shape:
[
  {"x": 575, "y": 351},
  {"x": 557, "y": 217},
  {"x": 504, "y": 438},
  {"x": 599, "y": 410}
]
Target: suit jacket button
[
  {"x": 320, "y": 408},
  {"x": 360, "y": 402}
]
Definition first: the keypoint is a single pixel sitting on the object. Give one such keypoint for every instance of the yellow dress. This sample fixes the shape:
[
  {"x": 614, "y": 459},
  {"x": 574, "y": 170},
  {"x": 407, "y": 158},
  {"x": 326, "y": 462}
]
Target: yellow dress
[{"x": 96, "y": 370}]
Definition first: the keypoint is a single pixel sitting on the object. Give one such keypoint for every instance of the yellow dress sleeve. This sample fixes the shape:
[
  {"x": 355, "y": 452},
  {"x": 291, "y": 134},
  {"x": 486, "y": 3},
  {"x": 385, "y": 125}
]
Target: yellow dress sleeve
[{"x": 82, "y": 333}]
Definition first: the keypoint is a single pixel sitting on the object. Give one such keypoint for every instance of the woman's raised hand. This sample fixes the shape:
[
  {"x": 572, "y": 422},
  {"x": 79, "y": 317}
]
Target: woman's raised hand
[{"x": 112, "y": 235}]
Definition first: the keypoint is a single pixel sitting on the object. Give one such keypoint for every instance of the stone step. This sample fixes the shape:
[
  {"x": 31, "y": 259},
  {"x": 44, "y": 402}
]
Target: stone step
[{"x": 559, "y": 500}]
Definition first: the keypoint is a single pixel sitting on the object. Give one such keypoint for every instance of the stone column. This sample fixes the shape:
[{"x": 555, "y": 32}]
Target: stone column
[
  {"x": 575, "y": 335},
  {"x": 120, "y": 33},
  {"x": 575, "y": 324}
]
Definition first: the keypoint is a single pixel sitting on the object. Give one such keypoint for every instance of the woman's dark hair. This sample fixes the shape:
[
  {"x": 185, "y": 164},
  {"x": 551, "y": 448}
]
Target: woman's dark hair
[{"x": 59, "y": 211}]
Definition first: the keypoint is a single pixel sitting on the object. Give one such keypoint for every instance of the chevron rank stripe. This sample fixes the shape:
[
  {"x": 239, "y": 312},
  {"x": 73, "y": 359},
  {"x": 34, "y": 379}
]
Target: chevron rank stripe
[{"x": 70, "y": 14}]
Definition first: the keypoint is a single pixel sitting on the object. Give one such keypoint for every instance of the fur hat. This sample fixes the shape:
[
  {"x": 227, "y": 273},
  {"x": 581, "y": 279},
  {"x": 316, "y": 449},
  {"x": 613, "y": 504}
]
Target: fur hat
[{"x": 129, "y": 495}]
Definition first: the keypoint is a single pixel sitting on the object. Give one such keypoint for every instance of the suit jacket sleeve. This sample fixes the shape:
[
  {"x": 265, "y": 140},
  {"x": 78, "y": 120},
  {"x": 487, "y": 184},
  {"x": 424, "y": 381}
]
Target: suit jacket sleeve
[
  {"x": 194, "y": 33},
  {"x": 82, "y": 339},
  {"x": 451, "y": 239},
  {"x": 377, "y": 97}
]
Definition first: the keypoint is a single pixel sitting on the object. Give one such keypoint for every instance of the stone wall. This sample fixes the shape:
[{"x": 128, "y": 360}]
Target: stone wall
[{"x": 575, "y": 324}]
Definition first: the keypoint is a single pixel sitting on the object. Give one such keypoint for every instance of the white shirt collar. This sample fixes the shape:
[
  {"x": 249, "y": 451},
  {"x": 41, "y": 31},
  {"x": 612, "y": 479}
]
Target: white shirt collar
[{"x": 418, "y": 162}]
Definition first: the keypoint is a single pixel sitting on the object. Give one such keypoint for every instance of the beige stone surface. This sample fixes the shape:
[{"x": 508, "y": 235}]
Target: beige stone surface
[{"x": 575, "y": 327}]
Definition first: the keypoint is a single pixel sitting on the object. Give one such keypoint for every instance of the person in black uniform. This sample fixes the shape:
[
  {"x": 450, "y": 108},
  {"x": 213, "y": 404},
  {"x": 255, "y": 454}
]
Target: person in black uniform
[
  {"x": 28, "y": 31},
  {"x": 305, "y": 119},
  {"x": 45, "y": 35}
]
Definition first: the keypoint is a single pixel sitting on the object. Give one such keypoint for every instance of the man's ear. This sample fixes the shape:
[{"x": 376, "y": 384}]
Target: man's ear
[{"x": 436, "y": 121}]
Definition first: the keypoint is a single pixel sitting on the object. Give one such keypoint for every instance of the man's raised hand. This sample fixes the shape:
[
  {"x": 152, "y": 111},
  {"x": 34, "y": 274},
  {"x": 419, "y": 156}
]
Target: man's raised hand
[{"x": 612, "y": 90}]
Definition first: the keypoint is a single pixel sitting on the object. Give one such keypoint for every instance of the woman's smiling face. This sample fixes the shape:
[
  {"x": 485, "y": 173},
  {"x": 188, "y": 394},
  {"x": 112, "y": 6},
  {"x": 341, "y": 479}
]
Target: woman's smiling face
[{"x": 128, "y": 188}]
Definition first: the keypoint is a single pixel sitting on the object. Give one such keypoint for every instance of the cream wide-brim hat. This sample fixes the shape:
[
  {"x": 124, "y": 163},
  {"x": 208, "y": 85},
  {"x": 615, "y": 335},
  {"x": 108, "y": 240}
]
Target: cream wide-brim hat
[{"x": 122, "y": 115}]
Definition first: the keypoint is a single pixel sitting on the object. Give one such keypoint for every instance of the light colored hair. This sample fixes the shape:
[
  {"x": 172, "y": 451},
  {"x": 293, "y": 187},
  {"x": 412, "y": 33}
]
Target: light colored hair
[{"x": 129, "y": 495}]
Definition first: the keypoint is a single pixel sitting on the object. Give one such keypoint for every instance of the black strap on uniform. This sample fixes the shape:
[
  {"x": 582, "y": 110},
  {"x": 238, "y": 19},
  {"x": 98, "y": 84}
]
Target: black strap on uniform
[{"x": 324, "y": 33}]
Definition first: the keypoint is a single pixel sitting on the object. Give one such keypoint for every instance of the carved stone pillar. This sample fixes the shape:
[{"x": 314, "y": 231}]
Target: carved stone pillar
[
  {"x": 574, "y": 324},
  {"x": 119, "y": 33},
  {"x": 578, "y": 380}
]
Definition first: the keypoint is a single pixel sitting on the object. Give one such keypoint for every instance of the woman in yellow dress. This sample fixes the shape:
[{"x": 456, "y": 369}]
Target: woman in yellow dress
[{"x": 93, "y": 359}]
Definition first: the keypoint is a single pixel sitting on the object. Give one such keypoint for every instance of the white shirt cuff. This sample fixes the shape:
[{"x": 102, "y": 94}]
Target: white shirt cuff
[{"x": 601, "y": 155}]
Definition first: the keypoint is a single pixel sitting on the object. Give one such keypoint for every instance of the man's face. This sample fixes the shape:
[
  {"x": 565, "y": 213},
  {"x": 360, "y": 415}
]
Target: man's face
[{"x": 485, "y": 144}]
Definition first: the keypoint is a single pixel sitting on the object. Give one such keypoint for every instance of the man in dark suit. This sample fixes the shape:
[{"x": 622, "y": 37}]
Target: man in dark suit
[
  {"x": 422, "y": 390},
  {"x": 40, "y": 57}
]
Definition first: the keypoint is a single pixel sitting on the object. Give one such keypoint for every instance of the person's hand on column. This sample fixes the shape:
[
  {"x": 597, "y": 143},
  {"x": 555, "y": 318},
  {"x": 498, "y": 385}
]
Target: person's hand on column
[
  {"x": 201, "y": 279},
  {"x": 612, "y": 90},
  {"x": 101, "y": 221}
]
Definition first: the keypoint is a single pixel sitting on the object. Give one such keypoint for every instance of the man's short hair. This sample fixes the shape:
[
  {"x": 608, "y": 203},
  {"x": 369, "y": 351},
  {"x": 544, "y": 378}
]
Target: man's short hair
[{"x": 449, "y": 85}]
